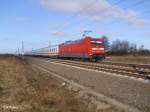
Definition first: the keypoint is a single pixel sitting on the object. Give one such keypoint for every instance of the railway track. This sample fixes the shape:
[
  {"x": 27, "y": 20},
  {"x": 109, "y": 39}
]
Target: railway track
[
  {"x": 132, "y": 91},
  {"x": 132, "y": 70},
  {"x": 133, "y": 65}
]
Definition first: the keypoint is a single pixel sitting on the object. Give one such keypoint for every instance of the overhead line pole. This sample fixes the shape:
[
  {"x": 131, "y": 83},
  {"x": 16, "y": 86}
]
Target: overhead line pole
[{"x": 23, "y": 49}]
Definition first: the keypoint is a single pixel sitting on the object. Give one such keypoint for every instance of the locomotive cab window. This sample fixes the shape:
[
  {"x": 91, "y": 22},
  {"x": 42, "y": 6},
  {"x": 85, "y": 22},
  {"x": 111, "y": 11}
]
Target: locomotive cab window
[{"x": 96, "y": 43}]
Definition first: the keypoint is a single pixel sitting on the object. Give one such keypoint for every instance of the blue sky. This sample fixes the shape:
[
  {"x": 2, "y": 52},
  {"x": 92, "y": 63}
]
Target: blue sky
[{"x": 39, "y": 22}]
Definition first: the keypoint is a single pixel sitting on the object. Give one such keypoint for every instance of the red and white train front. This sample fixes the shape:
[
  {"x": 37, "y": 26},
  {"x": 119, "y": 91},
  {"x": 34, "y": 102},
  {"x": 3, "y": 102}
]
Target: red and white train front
[{"x": 97, "y": 50}]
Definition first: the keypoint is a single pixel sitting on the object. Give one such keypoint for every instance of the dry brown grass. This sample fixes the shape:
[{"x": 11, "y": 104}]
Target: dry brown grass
[
  {"x": 24, "y": 89},
  {"x": 130, "y": 59}
]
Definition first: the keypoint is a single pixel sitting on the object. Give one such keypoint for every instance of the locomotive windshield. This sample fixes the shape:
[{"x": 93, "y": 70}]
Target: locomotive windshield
[{"x": 96, "y": 43}]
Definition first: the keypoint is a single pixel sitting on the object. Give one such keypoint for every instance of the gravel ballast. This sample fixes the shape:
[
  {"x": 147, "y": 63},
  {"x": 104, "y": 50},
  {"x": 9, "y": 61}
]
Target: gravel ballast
[{"x": 126, "y": 90}]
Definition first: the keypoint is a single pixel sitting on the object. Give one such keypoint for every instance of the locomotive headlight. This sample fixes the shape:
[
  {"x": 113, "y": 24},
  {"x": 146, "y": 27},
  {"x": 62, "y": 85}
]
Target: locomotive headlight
[
  {"x": 97, "y": 48},
  {"x": 101, "y": 48},
  {"x": 94, "y": 48}
]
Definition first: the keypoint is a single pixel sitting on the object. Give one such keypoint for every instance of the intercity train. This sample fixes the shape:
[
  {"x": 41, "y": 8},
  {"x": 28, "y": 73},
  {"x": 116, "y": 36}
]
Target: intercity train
[{"x": 87, "y": 48}]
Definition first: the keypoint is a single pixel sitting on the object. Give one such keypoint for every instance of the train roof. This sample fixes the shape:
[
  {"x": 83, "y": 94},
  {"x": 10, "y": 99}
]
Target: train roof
[
  {"x": 78, "y": 41},
  {"x": 43, "y": 48},
  {"x": 73, "y": 41}
]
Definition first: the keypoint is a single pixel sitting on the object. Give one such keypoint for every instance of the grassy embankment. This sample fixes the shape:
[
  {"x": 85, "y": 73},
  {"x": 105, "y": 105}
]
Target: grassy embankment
[{"x": 24, "y": 89}]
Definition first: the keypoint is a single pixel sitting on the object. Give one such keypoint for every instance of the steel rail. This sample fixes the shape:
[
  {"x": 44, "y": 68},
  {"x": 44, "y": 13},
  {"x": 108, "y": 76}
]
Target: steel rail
[{"x": 140, "y": 73}]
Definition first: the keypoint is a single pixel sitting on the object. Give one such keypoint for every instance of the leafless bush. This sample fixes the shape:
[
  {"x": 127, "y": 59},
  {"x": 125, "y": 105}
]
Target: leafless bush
[{"x": 124, "y": 47}]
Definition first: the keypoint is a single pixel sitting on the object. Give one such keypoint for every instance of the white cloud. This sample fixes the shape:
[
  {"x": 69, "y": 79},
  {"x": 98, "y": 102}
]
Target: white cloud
[{"x": 101, "y": 10}]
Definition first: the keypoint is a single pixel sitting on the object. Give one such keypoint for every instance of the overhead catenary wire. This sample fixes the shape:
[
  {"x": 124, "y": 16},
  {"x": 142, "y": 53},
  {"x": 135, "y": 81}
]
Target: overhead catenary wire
[
  {"x": 90, "y": 5},
  {"x": 131, "y": 6}
]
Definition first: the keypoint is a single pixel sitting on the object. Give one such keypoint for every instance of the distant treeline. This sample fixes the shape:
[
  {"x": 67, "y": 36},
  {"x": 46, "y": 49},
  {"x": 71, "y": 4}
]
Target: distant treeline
[
  {"x": 6, "y": 55},
  {"x": 124, "y": 47}
]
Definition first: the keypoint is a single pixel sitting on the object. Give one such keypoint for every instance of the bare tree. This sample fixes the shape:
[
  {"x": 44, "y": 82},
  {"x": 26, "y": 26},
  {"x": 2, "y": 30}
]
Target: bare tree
[
  {"x": 133, "y": 49},
  {"x": 123, "y": 47},
  {"x": 143, "y": 51},
  {"x": 106, "y": 43}
]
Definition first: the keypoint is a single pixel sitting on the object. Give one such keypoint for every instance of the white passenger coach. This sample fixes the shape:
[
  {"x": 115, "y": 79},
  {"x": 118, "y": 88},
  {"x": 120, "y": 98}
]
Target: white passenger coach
[{"x": 51, "y": 51}]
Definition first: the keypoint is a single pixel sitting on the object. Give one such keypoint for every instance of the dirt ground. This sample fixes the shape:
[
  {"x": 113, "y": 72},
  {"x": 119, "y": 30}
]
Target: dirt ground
[
  {"x": 129, "y": 59},
  {"x": 24, "y": 89}
]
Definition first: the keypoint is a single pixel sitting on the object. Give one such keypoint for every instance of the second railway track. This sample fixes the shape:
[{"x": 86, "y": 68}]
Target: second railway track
[{"x": 131, "y": 70}]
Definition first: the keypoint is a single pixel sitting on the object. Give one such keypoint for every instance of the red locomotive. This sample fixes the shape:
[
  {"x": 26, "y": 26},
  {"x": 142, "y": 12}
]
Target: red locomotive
[{"x": 87, "y": 48}]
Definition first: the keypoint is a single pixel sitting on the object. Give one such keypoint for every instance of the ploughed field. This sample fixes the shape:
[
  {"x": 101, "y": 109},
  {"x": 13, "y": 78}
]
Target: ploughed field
[{"x": 26, "y": 89}]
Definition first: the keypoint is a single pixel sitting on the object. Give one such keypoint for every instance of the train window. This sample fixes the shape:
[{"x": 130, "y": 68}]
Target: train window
[{"x": 96, "y": 43}]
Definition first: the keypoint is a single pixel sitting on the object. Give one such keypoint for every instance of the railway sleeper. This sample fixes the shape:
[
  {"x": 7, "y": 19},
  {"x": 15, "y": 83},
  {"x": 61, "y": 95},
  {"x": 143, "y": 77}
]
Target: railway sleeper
[{"x": 137, "y": 73}]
